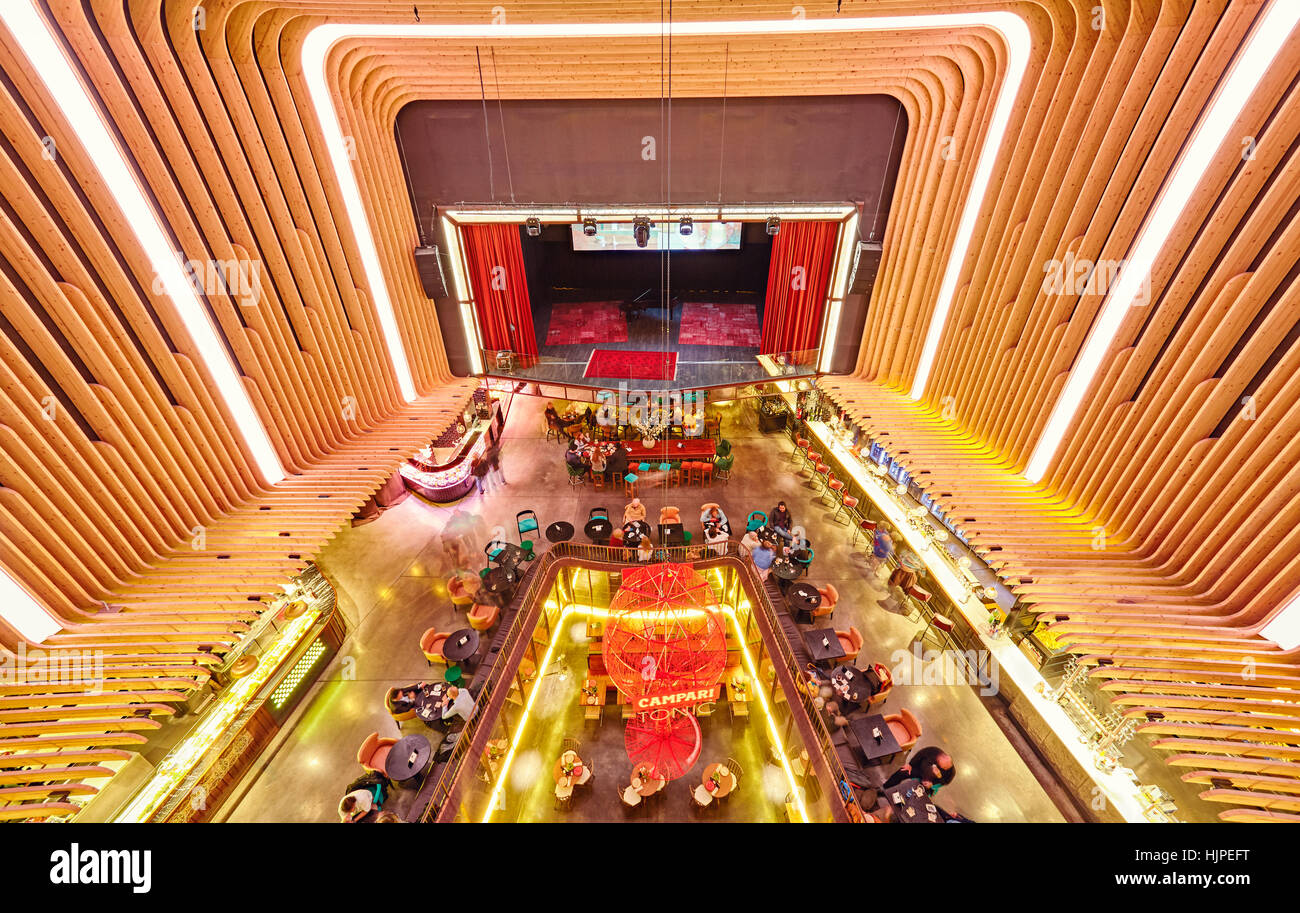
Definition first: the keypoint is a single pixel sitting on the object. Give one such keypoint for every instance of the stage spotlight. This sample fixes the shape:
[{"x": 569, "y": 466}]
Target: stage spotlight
[
  {"x": 589, "y": 227},
  {"x": 773, "y": 225},
  {"x": 641, "y": 231},
  {"x": 686, "y": 225},
  {"x": 534, "y": 226}
]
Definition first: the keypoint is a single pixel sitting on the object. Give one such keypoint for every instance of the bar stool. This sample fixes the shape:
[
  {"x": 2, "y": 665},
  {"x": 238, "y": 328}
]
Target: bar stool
[
  {"x": 692, "y": 472},
  {"x": 864, "y": 526},
  {"x": 598, "y": 480},
  {"x": 675, "y": 473},
  {"x": 940, "y": 630},
  {"x": 848, "y": 504},
  {"x": 666, "y": 469},
  {"x": 643, "y": 468},
  {"x": 812, "y": 459},
  {"x": 822, "y": 474},
  {"x": 800, "y": 448},
  {"x": 706, "y": 473},
  {"x": 630, "y": 484},
  {"x": 834, "y": 488}
]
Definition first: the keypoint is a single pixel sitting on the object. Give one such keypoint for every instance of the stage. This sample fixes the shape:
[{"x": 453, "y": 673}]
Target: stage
[{"x": 576, "y": 337}]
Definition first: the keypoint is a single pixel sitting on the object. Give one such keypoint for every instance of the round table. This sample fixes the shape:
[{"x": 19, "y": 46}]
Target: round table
[
  {"x": 497, "y": 586},
  {"x": 725, "y": 787},
  {"x": 634, "y": 531},
  {"x": 559, "y": 774},
  {"x": 805, "y": 595},
  {"x": 911, "y": 562},
  {"x": 458, "y": 652},
  {"x": 398, "y": 765},
  {"x": 428, "y": 704},
  {"x": 559, "y": 531},
  {"x": 648, "y": 785},
  {"x": 598, "y": 530},
  {"x": 784, "y": 569},
  {"x": 853, "y": 681}
]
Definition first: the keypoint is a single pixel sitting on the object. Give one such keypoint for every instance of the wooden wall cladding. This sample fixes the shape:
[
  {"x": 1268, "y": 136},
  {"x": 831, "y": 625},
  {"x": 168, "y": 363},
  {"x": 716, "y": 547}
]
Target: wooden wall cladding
[{"x": 100, "y": 504}]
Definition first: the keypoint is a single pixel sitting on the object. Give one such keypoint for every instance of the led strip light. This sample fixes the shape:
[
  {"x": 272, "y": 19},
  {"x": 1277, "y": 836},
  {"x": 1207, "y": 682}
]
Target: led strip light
[
  {"x": 27, "y": 616},
  {"x": 1248, "y": 69},
  {"x": 46, "y": 58},
  {"x": 1012, "y": 28}
]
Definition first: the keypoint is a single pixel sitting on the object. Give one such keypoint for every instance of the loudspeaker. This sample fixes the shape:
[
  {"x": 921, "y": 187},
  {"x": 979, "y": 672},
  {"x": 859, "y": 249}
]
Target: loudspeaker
[
  {"x": 428, "y": 264},
  {"x": 865, "y": 266}
]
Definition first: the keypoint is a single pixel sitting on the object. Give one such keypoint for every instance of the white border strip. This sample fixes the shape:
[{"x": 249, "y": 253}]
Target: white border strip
[{"x": 318, "y": 43}]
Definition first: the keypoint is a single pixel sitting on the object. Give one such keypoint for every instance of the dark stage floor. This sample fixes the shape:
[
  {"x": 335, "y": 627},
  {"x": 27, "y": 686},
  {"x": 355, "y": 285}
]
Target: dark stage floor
[{"x": 652, "y": 330}]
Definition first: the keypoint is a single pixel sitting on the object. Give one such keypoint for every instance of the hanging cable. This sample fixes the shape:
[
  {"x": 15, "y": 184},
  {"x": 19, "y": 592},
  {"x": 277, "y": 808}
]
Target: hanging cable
[
  {"x": 487, "y": 138},
  {"x": 505, "y": 145}
]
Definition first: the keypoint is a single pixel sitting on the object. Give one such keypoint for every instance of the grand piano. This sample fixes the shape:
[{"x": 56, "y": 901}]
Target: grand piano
[{"x": 650, "y": 299}]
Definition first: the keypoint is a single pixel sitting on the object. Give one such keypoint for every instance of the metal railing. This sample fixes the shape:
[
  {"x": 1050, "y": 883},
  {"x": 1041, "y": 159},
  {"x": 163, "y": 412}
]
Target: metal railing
[{"x": 538, "y": 584}]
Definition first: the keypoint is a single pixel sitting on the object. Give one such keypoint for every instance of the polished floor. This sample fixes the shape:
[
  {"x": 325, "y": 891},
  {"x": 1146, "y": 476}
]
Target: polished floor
[{"x": 391, "y": 581}]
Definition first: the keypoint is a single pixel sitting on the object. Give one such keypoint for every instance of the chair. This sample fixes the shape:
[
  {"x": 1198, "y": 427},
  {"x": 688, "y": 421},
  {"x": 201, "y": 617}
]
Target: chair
[
  {"x": 483, "y": 617},
  {"x": 879, "y": 698},
  {"x": 597, "y": 481},
  {"x": 735, "y": 769},
  {"x": 431, "y": 644},
  {"x": 834, "y": 489},
  {"x": 577, "y": 474},
  {"x": 851, "y": 641},
  {"x": 630, "y": 798},
  {"x": 811, "y": 460},
  {"x": 669, "y": 515},
  {"x": 938, "y": 630},
  {"x": 398, "y": 715},
  {"x": 462, "y": 589},
  {"x": 905, "y": 727},
  {"x": 848, "y": 507},
  {"x": 630, "y": 488},
  {"x": 526, "y": 522},
  {"x": 724, "y": 448},
  {"x": 374, "y": 752},
  {"x": 722, "y": 468},
  {"x": 702, "y": 797},
  {"x": 674, "y": 474},
  {"x": 706, "y": 473},
  {"x": 830, "y": 595},
  {"x": 800, "y": 448},
  {"x": 598, "y": 512},
  {"x": 572, "y": 745},
  {"x": 757, "y": 519},
  {"x": 868, "y": 530}
]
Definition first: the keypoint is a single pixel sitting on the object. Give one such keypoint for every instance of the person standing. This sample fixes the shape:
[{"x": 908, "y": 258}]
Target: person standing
[
  {"x": 493, "y": 459},
  {"x": 478, "y": 468}
]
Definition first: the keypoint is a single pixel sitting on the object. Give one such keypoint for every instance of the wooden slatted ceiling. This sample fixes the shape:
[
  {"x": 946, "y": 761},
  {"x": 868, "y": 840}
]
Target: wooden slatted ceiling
[{"x": 220, "y": 126}]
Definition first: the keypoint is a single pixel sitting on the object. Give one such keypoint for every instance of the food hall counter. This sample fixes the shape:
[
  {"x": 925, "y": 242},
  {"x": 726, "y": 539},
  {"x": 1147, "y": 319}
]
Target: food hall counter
[{"x": 442, "y": 474}]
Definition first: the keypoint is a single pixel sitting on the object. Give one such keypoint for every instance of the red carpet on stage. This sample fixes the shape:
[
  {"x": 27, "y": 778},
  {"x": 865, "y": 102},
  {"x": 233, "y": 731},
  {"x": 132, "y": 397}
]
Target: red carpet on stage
[
  {"x": 632, "y": 365},
  {"x": 579, "y": 322},
  {"x": 713, "y": 324}
]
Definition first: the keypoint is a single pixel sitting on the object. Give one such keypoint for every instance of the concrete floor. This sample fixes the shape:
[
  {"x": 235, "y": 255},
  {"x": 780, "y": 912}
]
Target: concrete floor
[{"x": 391, "y": 582}]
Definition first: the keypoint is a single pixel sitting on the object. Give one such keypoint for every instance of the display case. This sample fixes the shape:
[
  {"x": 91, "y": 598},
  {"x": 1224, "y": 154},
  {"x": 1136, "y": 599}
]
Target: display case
[{"x": 442, "y": 473}]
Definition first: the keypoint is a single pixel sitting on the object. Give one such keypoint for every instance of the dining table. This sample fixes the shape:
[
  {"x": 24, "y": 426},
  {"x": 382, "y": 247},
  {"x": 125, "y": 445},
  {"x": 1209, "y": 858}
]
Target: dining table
[
  {"x": 559, "y": 531},
  {"x": 823, "y": 645},
  {"x": 461, "y": 647},
  {"x": 874, "y": 748},
  {"x": 911, "y": 803},
  {"x": 598, "y": 530},
  {"x": 726, "y": 781},
  {"x": 408, "y": 758},
  {"x": 428, "y": 703},
  {"x": 851, "y": 684},
  {"x": 803, "y": 599}
]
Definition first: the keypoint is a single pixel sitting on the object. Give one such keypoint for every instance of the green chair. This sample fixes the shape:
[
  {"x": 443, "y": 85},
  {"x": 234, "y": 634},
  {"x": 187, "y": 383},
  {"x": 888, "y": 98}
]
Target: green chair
[
  {"x": 722, "y": 468},
  {"x": 724, "y": 447}
]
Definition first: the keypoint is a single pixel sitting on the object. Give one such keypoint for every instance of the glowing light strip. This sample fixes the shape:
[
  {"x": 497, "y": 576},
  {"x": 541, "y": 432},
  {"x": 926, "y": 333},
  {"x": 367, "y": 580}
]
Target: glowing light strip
[
  {"x": 47, "y": 60},
  {"x": 1012, "y": 28},
  {"x": 178, "y": 764},
  {"x": 596, "y": 611},
  {"x": 1284, "y": 627},
  {"x": 1251, "y": 64},
  {"x": 838, "y": 289},
  {"x": 27, "y": 616}
]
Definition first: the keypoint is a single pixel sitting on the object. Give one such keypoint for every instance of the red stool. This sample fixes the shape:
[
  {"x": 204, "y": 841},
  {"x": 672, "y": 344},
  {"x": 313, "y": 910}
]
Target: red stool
[
  {"x": 834, "y": 488},
  {"x": 800, "y": 448},
  {"x": 848, "y": 504},
  {"x": 706, "y": 473},
  {"x": 823, "y": 472},
  {"x": 812, "y": 459},
  {"x": 867, "y": 528},
  {"x": 940, "y": 627}
]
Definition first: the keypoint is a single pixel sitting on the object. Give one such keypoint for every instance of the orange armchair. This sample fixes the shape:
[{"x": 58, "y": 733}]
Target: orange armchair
[
  {"x": 830, "y": 596},
  {"x": 851, "y": 641},
  {"x": 669, "y": 515},
  {"x": 374, "y": 752},
  {"x": 483, "y": 617},
  {"x": 905, "y": 727},
  {"x": 431, "y": 643},
  {"x": 462, "y": 589}
]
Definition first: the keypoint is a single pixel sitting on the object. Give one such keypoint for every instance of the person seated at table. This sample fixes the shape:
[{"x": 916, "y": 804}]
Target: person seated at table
[
  {"x": 749, "y": 542},
  {"x": 717, "y": 538},
  {"x": 932, "y": 766},
  {"x": 400, "y": 700},
  {"x": 553, "y": 420},
  {"x": 713, "y": 516},
  {"x": 780, "y": 521},
  {"x": 598, "y": 461},
  {"x": 763, "y": 556},
  {"x": 634, "y": 511},
  {"x": 388, "y": 818},
  {"x": 645, "y": 551},
  {"x": 458, "y": 702},
  {"x": 617, "y": 463},
  {"x": 363, "y": 797},
  {"x": 573, "y": 456},
  {"x": 356, "y": 806}
]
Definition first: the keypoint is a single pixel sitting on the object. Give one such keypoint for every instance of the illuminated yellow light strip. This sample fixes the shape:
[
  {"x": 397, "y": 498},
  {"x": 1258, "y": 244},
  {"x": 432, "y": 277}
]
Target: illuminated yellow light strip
[
  {"x": 177, "y": 765},
  {"x": 296, "y": 674},
  {"x": 1249, "y": 68},
  {"x": 46, "y": 58},
  {"x": 598, "y": 612},
  {"x": 1010, "y": 26}
]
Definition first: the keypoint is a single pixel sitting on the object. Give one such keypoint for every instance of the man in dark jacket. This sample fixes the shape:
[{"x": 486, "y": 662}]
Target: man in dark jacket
[{"x": 932, "y": 766}]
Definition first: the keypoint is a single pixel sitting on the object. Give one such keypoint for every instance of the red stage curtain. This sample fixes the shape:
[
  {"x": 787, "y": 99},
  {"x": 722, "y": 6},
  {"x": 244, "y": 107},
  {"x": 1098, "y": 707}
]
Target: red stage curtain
[
  {"x": 800, "y": 273},
  {"x": 505, "y": 314}
]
